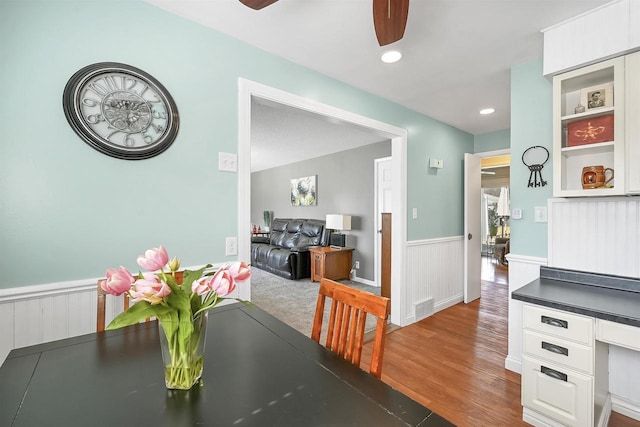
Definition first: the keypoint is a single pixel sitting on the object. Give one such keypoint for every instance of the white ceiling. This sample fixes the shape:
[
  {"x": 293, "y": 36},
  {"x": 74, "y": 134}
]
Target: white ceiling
[{"x": 457, "y": 53}]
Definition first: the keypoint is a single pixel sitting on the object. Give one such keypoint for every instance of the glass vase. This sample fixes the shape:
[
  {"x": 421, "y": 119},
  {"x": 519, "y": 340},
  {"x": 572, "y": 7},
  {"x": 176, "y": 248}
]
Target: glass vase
[{"x": 183, "y": 352}]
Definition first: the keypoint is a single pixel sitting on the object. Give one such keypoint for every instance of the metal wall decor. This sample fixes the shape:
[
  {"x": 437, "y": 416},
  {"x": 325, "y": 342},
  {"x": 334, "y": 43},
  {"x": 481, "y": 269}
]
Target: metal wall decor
[
  {"x": 534, "y": 158},
  {"x": 120, "y": 111}
]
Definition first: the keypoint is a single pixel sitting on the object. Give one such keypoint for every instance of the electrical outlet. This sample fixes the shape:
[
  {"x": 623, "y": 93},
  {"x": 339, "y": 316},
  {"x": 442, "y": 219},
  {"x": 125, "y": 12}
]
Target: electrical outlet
[
  {"x": 540, "y": 214},
  {"x": 231, "y": 246},
  {"x": 357, "y": 265}
]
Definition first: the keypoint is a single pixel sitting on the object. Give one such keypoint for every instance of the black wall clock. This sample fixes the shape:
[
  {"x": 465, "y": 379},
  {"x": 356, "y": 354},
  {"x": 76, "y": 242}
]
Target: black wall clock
[{"x": 120, "y": 110}]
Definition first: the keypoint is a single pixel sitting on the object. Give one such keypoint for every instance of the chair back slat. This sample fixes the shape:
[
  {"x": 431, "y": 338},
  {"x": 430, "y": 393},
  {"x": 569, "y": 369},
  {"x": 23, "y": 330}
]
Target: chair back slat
[{"x": 347, "y": 321}]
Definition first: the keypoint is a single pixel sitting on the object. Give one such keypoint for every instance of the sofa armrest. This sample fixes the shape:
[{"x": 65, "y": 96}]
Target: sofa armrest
[
  {"x": 301, "y": 248},
  {"x": 259, "y": 239}
]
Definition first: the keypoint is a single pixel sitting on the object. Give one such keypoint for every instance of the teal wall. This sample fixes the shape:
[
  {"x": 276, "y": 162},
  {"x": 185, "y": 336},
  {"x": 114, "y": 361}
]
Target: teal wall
[
  {"x": 68, "y": 212},
  {"x": 531, "y": 124},
  {"x": 492, "y": 141}
]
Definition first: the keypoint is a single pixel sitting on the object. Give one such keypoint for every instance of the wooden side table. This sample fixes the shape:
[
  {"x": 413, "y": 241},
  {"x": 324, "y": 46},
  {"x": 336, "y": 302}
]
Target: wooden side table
[{"x": 330, "y": 263}]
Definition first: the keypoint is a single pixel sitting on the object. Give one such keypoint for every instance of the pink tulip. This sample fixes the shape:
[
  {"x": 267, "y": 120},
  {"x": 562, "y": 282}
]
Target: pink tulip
[
  {"x": 118, "y": 281},
  {"x": 240, "y": 271},
  {"x": 223, "y": 283},
  {"x": 202, "y": 286},
  {"x": 150, "y": 289},
  {"x": 154, "y": 259}
]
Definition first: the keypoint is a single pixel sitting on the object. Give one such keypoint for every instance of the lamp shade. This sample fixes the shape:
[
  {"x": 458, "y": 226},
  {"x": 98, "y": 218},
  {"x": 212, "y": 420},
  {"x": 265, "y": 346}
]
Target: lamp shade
[{"x": 338, "y": 222}]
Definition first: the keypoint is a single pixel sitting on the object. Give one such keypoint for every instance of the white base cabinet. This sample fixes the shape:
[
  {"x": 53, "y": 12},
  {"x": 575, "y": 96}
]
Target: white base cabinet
[
  {"x": 557, "y": 392},
  {"x": 564, "y": 369}
]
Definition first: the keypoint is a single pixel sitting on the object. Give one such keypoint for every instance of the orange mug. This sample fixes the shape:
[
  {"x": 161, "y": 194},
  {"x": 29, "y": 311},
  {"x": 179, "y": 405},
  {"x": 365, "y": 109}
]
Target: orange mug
[{"x": 595, "y": 176}]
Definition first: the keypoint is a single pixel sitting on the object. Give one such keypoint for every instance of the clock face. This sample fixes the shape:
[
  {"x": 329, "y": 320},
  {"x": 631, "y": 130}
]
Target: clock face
[{"x": 120, "y": 111}]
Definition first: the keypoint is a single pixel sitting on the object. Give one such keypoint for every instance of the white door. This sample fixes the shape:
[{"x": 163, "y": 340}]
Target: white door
[
  {"x": 472, "y": 239},
  {"x": 382, "y": 177}
]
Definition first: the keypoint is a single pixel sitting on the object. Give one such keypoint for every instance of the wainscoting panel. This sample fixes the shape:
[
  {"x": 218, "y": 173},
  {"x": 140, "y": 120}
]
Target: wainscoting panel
[
  {"x": 522, "y": 270},
  {"x": 601, "y": 235},
  {"x": 434, "y": 270},
  {"x": 35, "y": 314}
]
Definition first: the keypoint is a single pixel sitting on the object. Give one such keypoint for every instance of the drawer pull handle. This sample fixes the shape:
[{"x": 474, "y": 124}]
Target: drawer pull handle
[
  {"x": 555, "y": 348},
  {"x": 553, "y": 373},
  {"x": 554, "y": 322}
]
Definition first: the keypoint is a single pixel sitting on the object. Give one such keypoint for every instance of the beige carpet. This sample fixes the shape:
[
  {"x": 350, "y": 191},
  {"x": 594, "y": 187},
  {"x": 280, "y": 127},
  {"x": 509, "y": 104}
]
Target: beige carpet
[{"x": 294, "y": 301}]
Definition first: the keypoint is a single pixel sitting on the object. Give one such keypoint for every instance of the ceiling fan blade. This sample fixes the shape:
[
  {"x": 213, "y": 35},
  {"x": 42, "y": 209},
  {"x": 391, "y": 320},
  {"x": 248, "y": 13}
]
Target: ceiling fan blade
[
  {"x": 257, "y": 4},
  {"x": 390, "y": 20}
]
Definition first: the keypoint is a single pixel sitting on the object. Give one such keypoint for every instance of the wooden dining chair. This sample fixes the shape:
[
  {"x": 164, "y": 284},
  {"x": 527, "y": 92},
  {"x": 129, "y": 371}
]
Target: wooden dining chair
[
  {"x": 102, "y": 306},
  {"x": 347, "y": 318},
  {"x": 102, "y": 302}
]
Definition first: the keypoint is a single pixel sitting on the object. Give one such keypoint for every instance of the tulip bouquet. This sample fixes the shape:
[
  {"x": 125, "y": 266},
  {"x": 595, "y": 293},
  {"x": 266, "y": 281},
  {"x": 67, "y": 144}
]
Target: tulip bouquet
[{"x": 180, "y": 301}]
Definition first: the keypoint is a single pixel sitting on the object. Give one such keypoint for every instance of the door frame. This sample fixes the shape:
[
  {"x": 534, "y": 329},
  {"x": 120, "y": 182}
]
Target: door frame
[
  {"x": 248, "y": 89},
  {"x": 482, "y": 155},
  {"x": 377, "y": 278}
]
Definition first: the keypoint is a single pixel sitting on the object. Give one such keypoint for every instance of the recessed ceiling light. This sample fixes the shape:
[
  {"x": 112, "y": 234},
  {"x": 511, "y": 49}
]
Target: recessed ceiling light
[
  {"x": 391, "y": 56},
  {"x": 486, "y": 111}
]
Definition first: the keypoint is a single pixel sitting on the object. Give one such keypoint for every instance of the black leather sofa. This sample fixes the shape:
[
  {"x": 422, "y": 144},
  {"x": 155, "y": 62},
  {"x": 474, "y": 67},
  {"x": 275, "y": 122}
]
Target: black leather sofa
[{"x": 286, "y": 251}]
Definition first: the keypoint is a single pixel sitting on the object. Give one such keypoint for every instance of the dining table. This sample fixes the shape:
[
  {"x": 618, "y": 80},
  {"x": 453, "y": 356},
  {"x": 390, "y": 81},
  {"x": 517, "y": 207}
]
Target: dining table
[{"x": 258, "y": 371}]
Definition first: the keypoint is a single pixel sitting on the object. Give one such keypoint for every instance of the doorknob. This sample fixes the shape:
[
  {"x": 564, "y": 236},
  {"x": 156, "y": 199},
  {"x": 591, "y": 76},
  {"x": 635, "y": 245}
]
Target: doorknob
[{"x": 469, "y": 236}]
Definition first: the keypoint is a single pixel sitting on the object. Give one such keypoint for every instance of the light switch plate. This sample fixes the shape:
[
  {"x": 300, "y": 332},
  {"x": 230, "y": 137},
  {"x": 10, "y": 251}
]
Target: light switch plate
[
  {"x": 228, "y": 162},
  {"x": 516, "y": 213}
]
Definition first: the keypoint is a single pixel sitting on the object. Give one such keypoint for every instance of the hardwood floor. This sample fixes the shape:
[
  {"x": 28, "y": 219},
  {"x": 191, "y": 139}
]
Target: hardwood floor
[{"x": 453, "y": 361}]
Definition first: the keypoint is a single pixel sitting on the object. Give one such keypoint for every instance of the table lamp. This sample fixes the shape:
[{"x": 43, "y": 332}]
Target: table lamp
[{"x": 338, "y": 222}]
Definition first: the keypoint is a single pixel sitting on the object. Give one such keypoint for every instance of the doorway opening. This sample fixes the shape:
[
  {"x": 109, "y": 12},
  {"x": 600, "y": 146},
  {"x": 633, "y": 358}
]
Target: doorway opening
[
  {"x": 495, "y": 215},
  {"x": 249, "y": 90}
]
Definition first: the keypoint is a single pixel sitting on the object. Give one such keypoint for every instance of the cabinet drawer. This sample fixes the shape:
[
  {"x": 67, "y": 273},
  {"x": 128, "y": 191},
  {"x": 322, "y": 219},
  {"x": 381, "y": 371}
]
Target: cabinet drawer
[
  {"x": 618, "y": 334},
  {"x": 558, "y": 323},
  {"x": 559, "y": 351},
  {"x": 558, "y": 393}
]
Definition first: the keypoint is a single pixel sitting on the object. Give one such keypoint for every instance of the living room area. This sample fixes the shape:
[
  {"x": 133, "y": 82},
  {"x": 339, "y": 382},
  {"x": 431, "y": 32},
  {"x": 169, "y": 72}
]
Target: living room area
[{"x": 303, "y": 168}]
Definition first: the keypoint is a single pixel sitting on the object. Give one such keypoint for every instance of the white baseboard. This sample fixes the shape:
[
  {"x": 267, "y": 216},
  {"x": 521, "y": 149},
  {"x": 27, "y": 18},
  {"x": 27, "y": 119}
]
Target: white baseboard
[
  {"x": 625, "y": 407},
  {"x": 446, "y": 303},
  {"x": 364, "y": 281},
  {"x": 513, "y": 364}
]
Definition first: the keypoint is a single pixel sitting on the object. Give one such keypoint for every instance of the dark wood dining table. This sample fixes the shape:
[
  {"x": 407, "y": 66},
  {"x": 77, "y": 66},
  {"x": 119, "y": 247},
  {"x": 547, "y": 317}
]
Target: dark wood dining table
[{"x": 258, "y": 372}]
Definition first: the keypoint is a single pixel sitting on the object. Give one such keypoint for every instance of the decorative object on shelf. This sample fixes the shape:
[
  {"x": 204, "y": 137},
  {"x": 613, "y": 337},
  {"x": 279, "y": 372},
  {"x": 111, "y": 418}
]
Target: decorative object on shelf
[
  {"x": 590, "y": 131},
  {"x": 303, "y": 191},
  {"x": 267, "y": 215},
  {"x": 535, "y": 158},
  {"x": 338, "y": 222},
  {"x": 598, "y": 96},
  {"x": 180, "y": 301},
  {"x": 120, "y": 110},
  {"x": 596, "y": 176},
  {"x": 579, "y": 109}
]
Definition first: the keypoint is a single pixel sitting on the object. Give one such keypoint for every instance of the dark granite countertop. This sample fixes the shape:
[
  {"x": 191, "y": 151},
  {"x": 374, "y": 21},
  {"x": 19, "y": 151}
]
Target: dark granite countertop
[{"x": 607, "y": 297}]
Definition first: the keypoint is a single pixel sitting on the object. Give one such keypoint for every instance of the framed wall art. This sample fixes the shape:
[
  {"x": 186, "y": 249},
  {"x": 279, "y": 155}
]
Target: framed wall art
[
  {"x": 303, "y": 191},
  {"x": 598, "y": 96}
]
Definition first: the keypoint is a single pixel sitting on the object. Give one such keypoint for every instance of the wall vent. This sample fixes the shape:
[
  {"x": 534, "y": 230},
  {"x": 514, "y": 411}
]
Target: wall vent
[{"x": 423, "y": 308}]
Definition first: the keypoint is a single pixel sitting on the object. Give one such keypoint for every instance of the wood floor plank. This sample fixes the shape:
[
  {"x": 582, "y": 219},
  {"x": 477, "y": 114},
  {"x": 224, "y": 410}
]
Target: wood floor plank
[{"x": 453, "y": 362}]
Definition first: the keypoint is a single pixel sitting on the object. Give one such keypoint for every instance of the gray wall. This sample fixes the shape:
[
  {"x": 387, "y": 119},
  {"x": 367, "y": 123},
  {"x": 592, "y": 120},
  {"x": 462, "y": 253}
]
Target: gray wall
[{"x": 344, "y": 185}]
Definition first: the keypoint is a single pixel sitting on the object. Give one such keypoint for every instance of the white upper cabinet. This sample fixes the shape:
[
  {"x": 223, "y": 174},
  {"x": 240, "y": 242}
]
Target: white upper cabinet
[
  {"x": 605, "y": 32},
  {"x": 589, "y": 130},
  {"x": 632, "y": 130}
]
